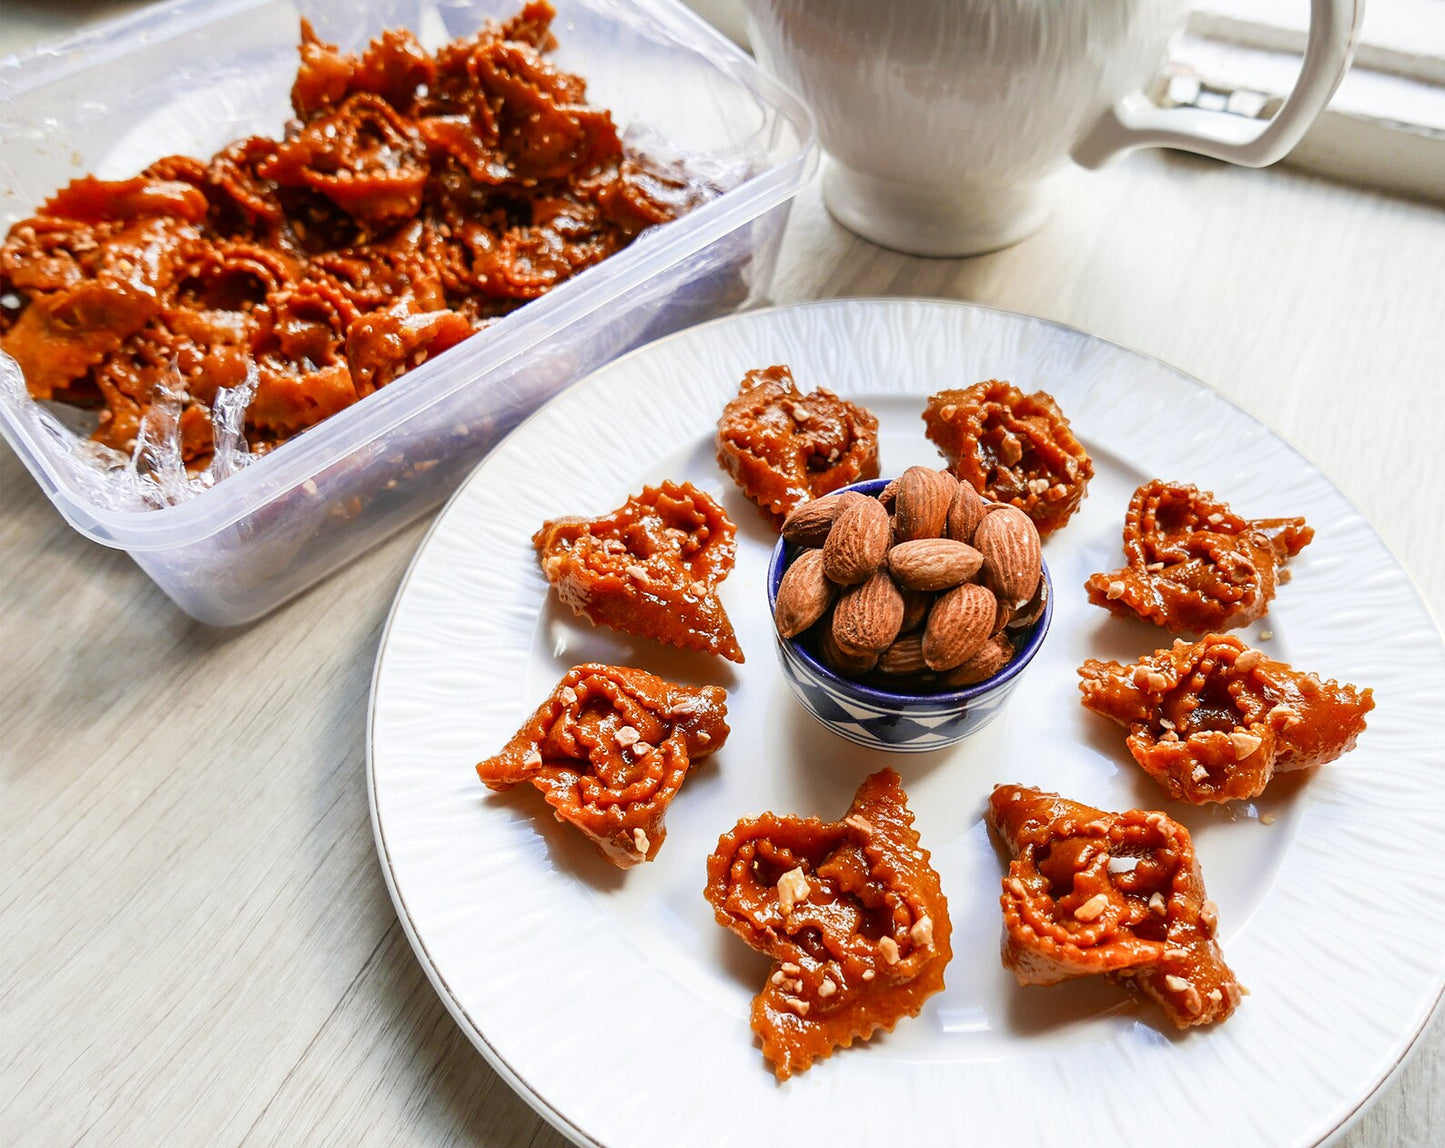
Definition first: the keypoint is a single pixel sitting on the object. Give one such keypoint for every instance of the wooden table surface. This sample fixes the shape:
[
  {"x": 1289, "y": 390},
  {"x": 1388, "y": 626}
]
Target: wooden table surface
[{"x": 198, "y": 946}]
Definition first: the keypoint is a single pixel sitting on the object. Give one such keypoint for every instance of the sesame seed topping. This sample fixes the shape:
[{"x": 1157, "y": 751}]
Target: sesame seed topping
[
  {"x": 1091, "y": 908},
  {"x": 889, "y": 948}
]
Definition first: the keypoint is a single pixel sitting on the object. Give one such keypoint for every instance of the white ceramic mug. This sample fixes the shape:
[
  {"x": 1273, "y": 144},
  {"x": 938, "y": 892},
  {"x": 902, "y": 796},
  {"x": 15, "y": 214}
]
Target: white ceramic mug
[{"x": 944, "y": 120}]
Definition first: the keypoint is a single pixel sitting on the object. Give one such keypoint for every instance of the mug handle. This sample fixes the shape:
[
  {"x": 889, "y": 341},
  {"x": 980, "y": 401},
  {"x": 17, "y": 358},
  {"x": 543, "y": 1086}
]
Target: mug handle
[{"x": 1136, "y": 122}]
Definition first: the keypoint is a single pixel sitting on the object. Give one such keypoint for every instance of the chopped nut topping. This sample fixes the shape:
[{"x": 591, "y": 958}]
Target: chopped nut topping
[
  {"x": 1215, "y": 996},
  {"x": 1192, "y": 1001},
  {"x": 777, "y": 977},
  {"x": 889, "y": 948},
  {"x": 792, "y": 888},
  {"x": 569, "y": 696},
  {"x": 1175, "y": 984},
  {"x": 798, "y": 1006},
  {"x": 1016, "y": 887},
  {"x": 639, "y": 838},
  {"x": 868, "y": 974},
  {"x": 1115, "y": 590},
  {"x": 1244, "y": 744},
  {"x": 635, "y": 572},
  {"x": 1157, "y": 681},
  {"x": 791, "y": 968},
  {"x": 859, "y": 822},
  {"x": 947, "y": 411},
  {"x": 1157, "y": 905},
  {"x": 827, "y": 988},
  {"x": 532, "y": 759},
  {"x": 1248, "y": 660},
  {"x": 922, "y": 933},
  {"x": 1209, "y": 914},
  {"x": 1199, "y": 773},
  {"x": 626, "y": 736},
  {"x": 686, "y": 706},
  {"x": 1091, "y": 908}
]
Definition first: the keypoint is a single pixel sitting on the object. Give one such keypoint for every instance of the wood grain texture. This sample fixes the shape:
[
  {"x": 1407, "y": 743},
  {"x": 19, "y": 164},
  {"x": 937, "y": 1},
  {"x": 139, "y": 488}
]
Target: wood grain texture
[{"x": 198, "y": 944}]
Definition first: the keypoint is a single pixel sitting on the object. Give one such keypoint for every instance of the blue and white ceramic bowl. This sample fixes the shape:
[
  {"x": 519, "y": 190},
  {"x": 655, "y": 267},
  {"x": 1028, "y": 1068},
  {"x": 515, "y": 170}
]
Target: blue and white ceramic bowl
[{"x": 883, "y": 719}]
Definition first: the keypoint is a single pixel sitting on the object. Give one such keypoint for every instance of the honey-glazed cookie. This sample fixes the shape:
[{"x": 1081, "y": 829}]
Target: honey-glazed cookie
[
  {"x": 1013, "y": 448},
  {"x": 1215, "y": 720},
  {"x": 784, "y": 447},
  {"x": 851, "y": 912},
  {"x": 651, "y": 567},
  {"x": 1192, "y": 564},
  {"x": 609, "y": 749},
  {"x": 1119, "y": 894}
]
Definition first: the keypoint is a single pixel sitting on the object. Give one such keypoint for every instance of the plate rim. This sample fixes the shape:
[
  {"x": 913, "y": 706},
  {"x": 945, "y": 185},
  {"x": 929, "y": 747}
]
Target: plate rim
[{"x": 529, "y": 1093}]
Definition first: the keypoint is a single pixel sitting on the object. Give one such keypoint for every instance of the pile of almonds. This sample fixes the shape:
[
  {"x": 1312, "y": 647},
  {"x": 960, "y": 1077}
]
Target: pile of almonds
[{"x": 920, "y": 585}]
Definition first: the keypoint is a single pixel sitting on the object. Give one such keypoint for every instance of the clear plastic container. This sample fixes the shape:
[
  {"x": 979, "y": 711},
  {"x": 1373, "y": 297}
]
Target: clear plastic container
[{"x": 192, "y": 75}]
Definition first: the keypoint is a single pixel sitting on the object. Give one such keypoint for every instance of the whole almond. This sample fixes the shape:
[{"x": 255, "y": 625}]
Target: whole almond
[
  {"x": 916, "y": 605},
  {"x": 958, "y": 625},
  {"x": 1032, "y": 610},
  {"x": 921, "y": 509},
  {"x": 1012, "y": 560},
  {"x": 933, "y": 563},
  {"x": 849, "y": 663},
  {"x": 990, "y": 658},
  {"x": 965, "y": 512},
  {"x": 868, "y": 616},
  {"x": 804, "y": 594},
  {"x": 810, "y": 521},
  {"x": 905, "y": 656},
  {"x": 857, "y": 543}
]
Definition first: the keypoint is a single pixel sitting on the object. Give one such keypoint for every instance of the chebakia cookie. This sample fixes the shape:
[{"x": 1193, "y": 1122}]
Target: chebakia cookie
[
  {"x": 609, "y": 749},
  {"x": 1118, "y": 894},
  {"x": 1013, "y": 448},
  {"x": 784, "y": 447},
  {"x": 1215, "y": 720},
  {"x": 651, "y": 567},
  {"x": 1192, "y": 564},
  {"x": 851, "y": 912}
]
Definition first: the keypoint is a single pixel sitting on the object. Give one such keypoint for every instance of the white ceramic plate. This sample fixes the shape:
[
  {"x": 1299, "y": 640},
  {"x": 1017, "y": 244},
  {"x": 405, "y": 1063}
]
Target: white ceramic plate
[{"x": 614, "y": 1003}]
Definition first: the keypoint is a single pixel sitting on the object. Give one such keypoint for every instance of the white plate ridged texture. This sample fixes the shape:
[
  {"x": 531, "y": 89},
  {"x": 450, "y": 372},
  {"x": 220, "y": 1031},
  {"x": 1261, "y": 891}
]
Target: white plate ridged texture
[{"x": 617, "y": 1006}]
